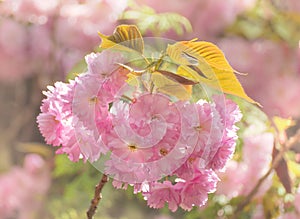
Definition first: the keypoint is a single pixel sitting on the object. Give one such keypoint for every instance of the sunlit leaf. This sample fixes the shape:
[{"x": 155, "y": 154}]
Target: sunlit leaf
[
  {"x": 294, "y": 168},
  {"x": 132, "y": 80},
  {"x": 193, "y": 75},
  {"x": 204, "y": 62},
  {"x": 170, "y": 87},
  {"x": 282, "y": 124},
  {"x": 125, "y": 37},
  {"x": 200, "y": 52}
]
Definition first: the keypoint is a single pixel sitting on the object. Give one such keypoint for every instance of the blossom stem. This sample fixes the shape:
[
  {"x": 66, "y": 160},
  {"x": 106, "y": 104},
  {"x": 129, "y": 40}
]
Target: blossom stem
[
  {"x": 97, "y": 197},
  {"x": 127, "y": 99},
  {"x": 289, "y": 144}
]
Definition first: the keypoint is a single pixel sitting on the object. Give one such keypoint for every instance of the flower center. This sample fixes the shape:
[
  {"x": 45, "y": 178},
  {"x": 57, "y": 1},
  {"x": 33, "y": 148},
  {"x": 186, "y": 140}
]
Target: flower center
[
  {"x": 198, "y": 128},
  {"x": 163, "y": 151},
  {"x": 132, "y": 148},
  {"x": 93, "y": 99},
  {"x": 191, "y": 160}
]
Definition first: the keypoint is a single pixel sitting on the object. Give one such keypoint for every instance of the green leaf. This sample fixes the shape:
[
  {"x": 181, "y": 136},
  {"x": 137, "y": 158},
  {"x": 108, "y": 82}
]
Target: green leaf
[
  {"x": 148, "y": 20},
  {"x": 64, "y": 167},
  {"x": 294, "y": 167},
  {"x": 77, "y": 69}
]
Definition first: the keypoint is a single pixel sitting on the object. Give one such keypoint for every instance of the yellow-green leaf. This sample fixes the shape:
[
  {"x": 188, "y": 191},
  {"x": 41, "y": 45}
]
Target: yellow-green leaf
[
  {"x": 194, "y": 74},
  {"x": 125, "y": 37},
  {"x": 202, "y": 61},
  {"x": 294, "y": 168},
  {"x": 170, "y": 87},
  {"x": 77, "y": 69},
  {"x": 132, "y": 80},
  {"x": 282, "y": 124}
]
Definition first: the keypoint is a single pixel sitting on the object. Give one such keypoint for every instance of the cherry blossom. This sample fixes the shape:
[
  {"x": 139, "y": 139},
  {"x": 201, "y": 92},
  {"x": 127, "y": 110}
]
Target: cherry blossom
[
  {"x": 257, "y": 155},
  {"x": 140, "y": 137},
  {"x": 23, "y": 189},
  {"x": 163, "y": 192},
  {"x": 49, "y": 37}
]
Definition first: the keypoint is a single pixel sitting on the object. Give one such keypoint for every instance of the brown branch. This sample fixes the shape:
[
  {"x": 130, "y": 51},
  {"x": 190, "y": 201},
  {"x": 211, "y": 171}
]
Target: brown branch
[
  {"x": 97, "y": 197},
  {"x": 292, "y": 141}
]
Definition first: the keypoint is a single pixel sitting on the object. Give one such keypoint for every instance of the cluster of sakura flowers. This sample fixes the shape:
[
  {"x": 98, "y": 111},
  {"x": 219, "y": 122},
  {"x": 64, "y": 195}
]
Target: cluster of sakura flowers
[
  {"x": 167, "y": 149},
  {"x": 20, "y": 194},
  {"x": 50, "y": 36},
  {"x": 257, "y": 157}
]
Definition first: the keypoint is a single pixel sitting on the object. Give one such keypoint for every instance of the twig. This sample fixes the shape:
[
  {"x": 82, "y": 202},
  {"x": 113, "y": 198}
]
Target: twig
[
  {"x": 292, "y": 140},
  {"x": 97, "y": 197}
]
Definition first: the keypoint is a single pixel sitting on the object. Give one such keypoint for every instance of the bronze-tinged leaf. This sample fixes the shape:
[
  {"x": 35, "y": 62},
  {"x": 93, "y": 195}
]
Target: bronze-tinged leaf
[
  {"x": 201, "y": 61},
  {"x": 282, "y": 172},
  {"x": 125, "y": 37},
  {"x": 178, "y": 78}
]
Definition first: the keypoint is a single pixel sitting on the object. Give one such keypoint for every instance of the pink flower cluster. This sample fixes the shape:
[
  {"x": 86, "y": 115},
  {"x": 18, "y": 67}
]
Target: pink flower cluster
[
  {"x": 167, "y": 149},
  {"x": 50, "y": 36},
  {"x": 22, "y": 189},
  {"x": 257, "y": 156}
]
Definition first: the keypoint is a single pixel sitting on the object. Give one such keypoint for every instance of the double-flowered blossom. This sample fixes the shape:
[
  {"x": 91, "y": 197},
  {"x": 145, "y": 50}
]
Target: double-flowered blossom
[{"x": 167, "y": 149}]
